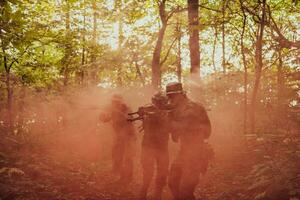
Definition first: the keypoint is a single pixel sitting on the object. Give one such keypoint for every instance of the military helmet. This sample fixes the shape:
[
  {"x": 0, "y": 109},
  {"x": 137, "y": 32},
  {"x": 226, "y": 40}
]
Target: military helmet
[{"x": 174, "y": 88}]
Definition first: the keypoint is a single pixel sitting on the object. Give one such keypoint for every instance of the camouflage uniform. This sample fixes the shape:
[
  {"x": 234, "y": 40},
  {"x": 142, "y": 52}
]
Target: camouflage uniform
[
  {"x": 191, "y": 126},
  {"x": 123, "y": 139},
  {"x": 154, "y": 150}
]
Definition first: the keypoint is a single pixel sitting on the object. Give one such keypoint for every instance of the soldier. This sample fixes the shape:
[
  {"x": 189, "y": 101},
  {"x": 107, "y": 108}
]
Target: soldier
[
  {"x": 123, "y": 138},
  {"x": 155, "y": 146},
  {"x": 191, "y": 126}
]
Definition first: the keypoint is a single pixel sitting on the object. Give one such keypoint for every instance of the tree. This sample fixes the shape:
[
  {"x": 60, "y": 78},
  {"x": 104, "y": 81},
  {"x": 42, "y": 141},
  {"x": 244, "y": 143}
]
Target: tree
[
  {"x": 68, "y": 44},
  {"x": 258, "y": 64},
  {"x": 94, "y": 41},
  {"x": 178, "y": 32},
  {"x": 193, "y": 19},
  {"x": 224, "y": 2},
  {"x": 164, "y": 16},
  {"x": 15, "y": 41},
  {"x": 245, "y": 67},
  {"x": 156, "y": 73}
]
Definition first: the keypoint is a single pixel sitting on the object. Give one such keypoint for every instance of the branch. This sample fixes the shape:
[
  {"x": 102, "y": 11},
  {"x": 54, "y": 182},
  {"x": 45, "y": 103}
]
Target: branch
[
  {"x": 178, "y": 9},
  {"x": 252, "y": 13},
  {"x": 281, "y": 39},
  {"x": 168, "y": 52},
  {"x": 4, "y": 59},
  {"x": 11, "y": 64},
  {"x": 211, "y": 9},
  {"x": 271, "y": 23}
]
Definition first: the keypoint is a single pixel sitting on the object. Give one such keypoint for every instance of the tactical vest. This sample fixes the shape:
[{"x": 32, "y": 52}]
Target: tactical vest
[
  {"x": 192, "y": 119},
  {"x": 155, "y": 128}
]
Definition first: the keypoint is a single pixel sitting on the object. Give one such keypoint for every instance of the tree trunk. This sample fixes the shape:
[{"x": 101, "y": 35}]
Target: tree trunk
[
  {"x": 67, "y": 46},
  {"x": 193, "y": 19},
  {"x": 223, "y": 37},
  {"x": 9, "y": 92},
  {"x": 9, "y": 101},
  {"x": 83, "y": 57},
  {"x": 245, "y": 72},
  {"x": 95, "y": 35},
  {"x": 156, "y": 72},
  {"x": 21, "y": 106},
  {"x": 215, "y": 87},
  {"x": 179, "y": 66},
  {"x": 139, "y": 73},
  {"x": 155, "y": 66},
  {"x": 95, "y": 17},
  {"x": 258, "y": 66},
  {"x": 280, "y": 80},
  {"x": 214, "y": 49},
  {"x": 118, "y": 6}
]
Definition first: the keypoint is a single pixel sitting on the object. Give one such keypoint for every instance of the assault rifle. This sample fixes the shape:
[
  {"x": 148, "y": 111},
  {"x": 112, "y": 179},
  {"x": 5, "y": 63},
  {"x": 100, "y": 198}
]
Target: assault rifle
[
  {"x": 140, "y": 113},
  {"x": 146, "y": 110}
]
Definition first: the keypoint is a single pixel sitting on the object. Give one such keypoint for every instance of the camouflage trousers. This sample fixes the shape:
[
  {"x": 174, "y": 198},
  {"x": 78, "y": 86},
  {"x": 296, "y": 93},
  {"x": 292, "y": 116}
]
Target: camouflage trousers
[
  {"x": 154, "y": 158},
  {"x": 185, "y": 171},
  {"x": 122, "y": 157}
]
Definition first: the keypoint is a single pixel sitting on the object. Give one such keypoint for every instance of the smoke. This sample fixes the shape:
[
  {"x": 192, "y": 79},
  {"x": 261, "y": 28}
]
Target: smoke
[
  {"x": 226, "y": 117},
  {"x": 66, "y": 125}
]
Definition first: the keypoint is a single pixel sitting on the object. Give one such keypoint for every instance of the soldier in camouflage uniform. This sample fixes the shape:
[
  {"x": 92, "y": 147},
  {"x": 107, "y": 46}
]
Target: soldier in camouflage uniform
[
  {"x": 123, "y": 138},
  {"x": 190, "y": 126},
  {"x": 155, "y": 146}
]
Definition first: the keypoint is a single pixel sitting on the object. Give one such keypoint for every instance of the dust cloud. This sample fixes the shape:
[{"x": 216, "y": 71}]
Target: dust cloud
[{"x": 66, "y": 127}]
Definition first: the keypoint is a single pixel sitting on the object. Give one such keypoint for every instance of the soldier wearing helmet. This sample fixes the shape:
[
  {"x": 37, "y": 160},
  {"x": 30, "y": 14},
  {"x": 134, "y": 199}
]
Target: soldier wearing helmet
[
  {"x": 123, "y": 138},
  {"x": 191, "y": 125},
  {"x": 155, "y": 146}
]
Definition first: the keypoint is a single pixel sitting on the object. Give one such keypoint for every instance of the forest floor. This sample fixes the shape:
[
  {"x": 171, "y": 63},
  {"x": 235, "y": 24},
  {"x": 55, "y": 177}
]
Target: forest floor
[{"x": 31, "y": 173}]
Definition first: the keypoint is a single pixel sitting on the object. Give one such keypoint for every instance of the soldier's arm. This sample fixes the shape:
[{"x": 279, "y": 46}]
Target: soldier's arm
[{"x": 204, "y": 122}]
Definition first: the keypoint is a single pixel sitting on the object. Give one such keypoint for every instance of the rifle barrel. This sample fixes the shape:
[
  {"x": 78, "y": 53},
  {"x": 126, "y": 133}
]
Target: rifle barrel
[
  {"x": 133, "y": 113},
  {"x": 135, "y": 119}
]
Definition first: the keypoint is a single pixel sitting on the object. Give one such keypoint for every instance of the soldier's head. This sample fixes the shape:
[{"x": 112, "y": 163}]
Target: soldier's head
[
  {"x": 175, "y": 93},
  {"x": 159, "y": 100}
]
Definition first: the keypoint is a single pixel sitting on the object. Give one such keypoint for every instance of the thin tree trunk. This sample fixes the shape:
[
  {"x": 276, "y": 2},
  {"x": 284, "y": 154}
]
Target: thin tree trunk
[
  {"x": 95, "y": 17},
  {"x": 68, "y": 46},
  {"x": 120, "y": 35},
  {"x": 179, "y": 66},
  {"x": 258, "y": 66},
  {"x": 83, "y": 59},
  {"x": 21, "y": 106},
  {"x": 245, "y": 72},
  {"x": 118, "y": 6},
  {"x": 280, "y": 79},
  {"x": 9, "y": 100},
  {"x": 9, "y": 92},
  {"x": 223, "y": 37},
  {"x": 193, "y": 19},
  {"x": 215, "y": 87},
  {"x": 139, "y": 73},
  {"x": 95, "y": 35},
  {"x": 214, "y": 49}
]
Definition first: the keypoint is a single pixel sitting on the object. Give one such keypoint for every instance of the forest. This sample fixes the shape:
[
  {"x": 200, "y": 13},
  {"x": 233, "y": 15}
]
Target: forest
[{"x": 61, "y": 61}]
